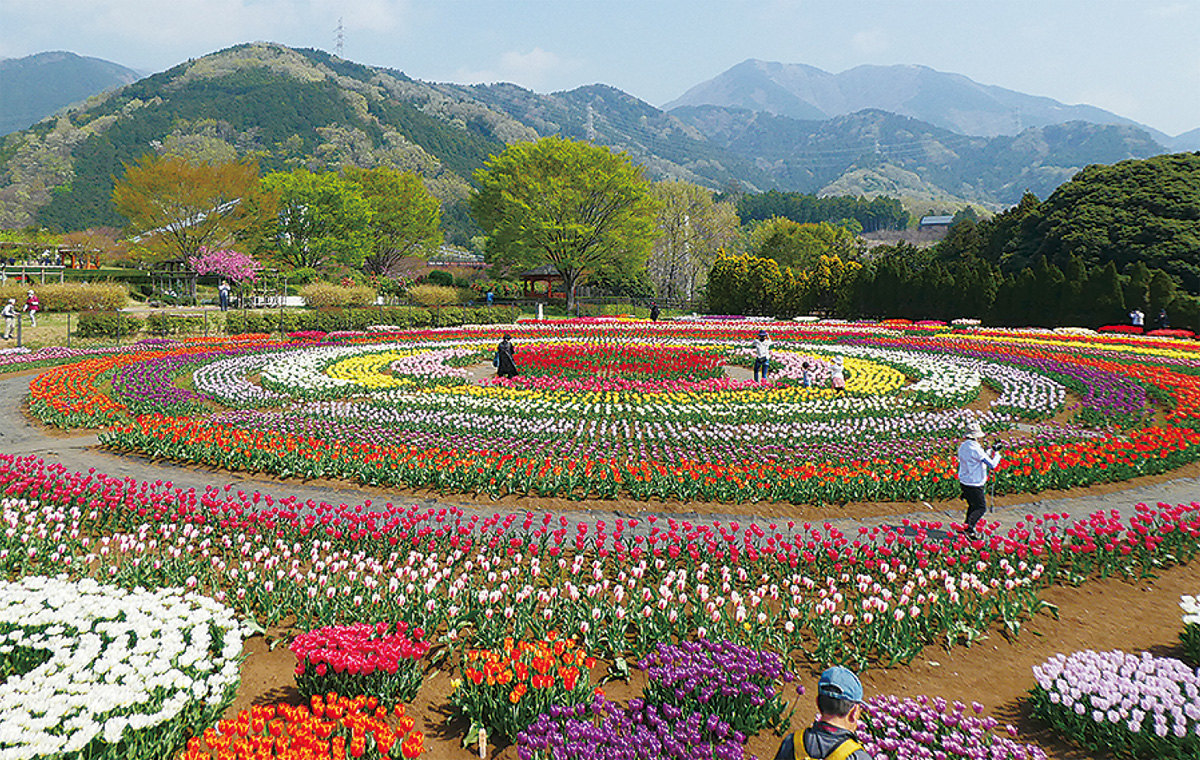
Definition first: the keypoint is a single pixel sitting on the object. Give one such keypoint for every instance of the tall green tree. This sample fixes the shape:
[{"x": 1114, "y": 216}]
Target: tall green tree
[
  {"x": 793, "y": 244},
  {"x": 176, "y": 207},
  {"x": 320, "y": 221},
  {"x": 405, "y": 216},
  {"x": 579, "y": 207}
]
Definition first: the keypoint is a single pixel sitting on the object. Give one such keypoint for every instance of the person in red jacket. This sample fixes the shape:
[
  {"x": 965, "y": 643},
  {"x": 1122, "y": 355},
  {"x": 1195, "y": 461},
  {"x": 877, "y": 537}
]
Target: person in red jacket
[{"x": 33, "y": 306}]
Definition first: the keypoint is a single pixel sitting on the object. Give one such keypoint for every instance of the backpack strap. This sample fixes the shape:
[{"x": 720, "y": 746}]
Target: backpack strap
[
  {"x": 845, "y": 750},
  {"x": 841, "y": 752}
]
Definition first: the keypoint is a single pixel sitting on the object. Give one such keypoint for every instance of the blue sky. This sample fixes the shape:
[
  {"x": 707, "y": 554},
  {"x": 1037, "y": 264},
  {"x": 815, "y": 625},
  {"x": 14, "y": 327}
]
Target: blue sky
[{"x": 1138, "y": 58}]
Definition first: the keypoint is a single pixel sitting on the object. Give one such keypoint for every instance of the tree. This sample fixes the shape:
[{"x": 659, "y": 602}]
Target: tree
[
  {"x": 577, "y": 206},
  {"x": 226, "y": 263},
  {"x": 800, "y": 245},
  {"x": 320, "y": 220},
  {"x": 176, "y": 207},
  {"x": 405, "y": 217},
  {"x": 692, "y": 229}
]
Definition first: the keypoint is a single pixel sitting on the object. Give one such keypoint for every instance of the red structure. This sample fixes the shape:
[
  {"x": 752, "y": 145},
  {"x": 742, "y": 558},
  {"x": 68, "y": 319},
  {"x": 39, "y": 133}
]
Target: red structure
[{"x": 547, "y": 274}]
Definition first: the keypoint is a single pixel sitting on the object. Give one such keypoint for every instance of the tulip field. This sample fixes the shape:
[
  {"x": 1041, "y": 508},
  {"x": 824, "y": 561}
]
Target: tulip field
[
  {"x": 625, "y": 410},
  {"x": 140, "y": 594}
]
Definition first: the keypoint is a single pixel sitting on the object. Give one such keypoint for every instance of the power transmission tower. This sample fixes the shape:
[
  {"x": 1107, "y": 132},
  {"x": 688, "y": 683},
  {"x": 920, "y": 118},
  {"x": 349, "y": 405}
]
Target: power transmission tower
[
  {"x": 339, "y": 38},
  {"x": 591, "y": 124}
]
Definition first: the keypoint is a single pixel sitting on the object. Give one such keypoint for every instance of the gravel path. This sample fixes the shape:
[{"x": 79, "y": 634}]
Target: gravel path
[{"x": 20, "y": 436}]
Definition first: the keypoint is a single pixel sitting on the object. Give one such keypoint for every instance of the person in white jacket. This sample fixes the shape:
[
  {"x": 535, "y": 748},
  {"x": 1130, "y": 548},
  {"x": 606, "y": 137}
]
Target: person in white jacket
[
  {"x": 762, "y": 355},
  {"x": 974, "y": 462},
  {"x": 10, "y": 317}
]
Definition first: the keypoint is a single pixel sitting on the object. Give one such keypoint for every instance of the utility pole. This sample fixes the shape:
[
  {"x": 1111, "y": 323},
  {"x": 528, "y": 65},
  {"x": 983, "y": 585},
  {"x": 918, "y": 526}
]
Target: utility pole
[{"x": 339, "y": 38}]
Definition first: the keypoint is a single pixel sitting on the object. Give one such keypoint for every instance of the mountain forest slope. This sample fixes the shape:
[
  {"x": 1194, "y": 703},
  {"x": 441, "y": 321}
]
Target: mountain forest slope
[{"x": 289, "y": 108}]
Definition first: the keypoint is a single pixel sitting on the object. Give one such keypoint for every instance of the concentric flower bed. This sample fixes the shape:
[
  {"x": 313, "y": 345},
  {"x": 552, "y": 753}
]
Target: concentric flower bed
[
  {"x": 96, "y": 671},
  {"x": 636, "y": 410}
]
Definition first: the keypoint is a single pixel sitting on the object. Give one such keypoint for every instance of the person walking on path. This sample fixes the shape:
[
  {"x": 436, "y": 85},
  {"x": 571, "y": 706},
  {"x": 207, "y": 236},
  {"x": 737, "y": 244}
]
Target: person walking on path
[
  {"x": 837, "y": 374},
  {"x": 973, "y": 464},
  {"x": 654, "y": 311},
  {"x": 762, "y": 356},
  {"x": 223, "y": 295},
  {"x": 491, "y": 297},
  {"x": 10, "y": 317},
  {"x": 505, "y": 365},
  {"x": 832, "y": 736},
  {"x": 1137, "y": 318},
  {"x": 33, "y": 306},
  {"x": 1163, "y": 322}
]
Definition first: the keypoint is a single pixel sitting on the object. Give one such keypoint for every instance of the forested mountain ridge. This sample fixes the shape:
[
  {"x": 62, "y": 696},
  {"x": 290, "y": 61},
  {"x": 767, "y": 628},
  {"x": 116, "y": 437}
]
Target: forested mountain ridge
[
  {"x": 289, "y": 108},
  {"x": 876, "y": 152}
]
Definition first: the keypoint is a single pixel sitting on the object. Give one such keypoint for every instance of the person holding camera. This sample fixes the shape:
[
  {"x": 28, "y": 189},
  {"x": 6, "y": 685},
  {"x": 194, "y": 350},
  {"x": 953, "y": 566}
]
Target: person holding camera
[{"x": 974, "y": 462}]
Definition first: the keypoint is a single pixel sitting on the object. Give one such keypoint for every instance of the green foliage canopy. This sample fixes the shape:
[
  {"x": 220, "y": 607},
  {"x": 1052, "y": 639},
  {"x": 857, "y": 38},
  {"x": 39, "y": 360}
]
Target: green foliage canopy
[
  {"x": 405, "y": 217},
  {"x": 321, "y": 220},
  {"x": 580, "y": 207}
]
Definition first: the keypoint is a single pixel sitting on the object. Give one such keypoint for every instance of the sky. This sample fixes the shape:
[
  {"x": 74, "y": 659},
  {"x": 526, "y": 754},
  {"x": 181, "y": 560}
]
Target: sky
[{"x": 1137, "y": 58}]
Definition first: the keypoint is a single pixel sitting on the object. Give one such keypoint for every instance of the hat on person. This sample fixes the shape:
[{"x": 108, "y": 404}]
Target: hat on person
[
  {"x": 974, "y": 431},
  {"x": 762, "y": 333},
  {"x": 29, "y": 293},
  {"x": 840, "y": 683}
]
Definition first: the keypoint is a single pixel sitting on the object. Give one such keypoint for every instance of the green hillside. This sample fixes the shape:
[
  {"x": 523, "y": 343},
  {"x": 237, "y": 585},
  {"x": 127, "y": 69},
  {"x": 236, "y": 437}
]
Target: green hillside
[{"x": 289, "y": 108}]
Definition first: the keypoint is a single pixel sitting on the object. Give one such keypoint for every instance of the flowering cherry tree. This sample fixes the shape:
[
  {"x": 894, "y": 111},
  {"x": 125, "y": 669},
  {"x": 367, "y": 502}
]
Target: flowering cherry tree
[{"x": 227, "y": 263}]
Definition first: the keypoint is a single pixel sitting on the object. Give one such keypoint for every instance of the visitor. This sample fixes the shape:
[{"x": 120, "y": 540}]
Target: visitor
[
  {"x": 10, "y": 317},
  {"x": 832, "y": 736},
  {"x": 973, "y": 465},
  {"x": 1163, "y": 322},
  {"x": 33, "y": 306},
  {"x": 837, "y": 374},
  {"x": 806, "y": 374},
  {"x": 762, "y": 356},
  {"x": 223, "y": 295},
  {"x": 505, "y": 365},
  {"x": 654, "y": 311},
  {"x": 491, "y": 297},
  {"x": 1137, "y": 319}
]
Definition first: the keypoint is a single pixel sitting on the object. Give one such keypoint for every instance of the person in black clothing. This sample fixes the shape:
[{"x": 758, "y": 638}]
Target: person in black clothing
[
  {"x": 505, "y": 366},
  {"x": 832, "y": 736},
  {"x": 654, "y": 311}
]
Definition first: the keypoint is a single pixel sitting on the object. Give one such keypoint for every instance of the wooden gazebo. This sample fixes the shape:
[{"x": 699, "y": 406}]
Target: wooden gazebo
[{"x": 547, "y": 274}]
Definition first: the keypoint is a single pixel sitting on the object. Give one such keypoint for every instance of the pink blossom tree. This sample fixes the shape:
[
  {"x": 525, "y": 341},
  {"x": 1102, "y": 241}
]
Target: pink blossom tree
[{"x": 227, "y": 263}]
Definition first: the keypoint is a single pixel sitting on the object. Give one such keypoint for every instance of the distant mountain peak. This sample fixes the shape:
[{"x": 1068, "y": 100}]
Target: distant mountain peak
[
  {"x": 41, "y": 84},
  {"x": 948, "y": 100}
]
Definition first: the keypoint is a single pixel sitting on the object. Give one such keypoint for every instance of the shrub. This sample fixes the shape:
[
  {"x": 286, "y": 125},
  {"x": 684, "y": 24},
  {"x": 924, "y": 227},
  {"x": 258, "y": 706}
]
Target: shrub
[
  {"x": 334, "y": 320},
  {"x": 107, "y": 324},
  {"x": 161, "y": 323},
  {"x": 438, "y": 277},
  {"x": 71, "y": 296},
  {"x": 325, "y": 294},
  {"x": 433, "y": 295}
]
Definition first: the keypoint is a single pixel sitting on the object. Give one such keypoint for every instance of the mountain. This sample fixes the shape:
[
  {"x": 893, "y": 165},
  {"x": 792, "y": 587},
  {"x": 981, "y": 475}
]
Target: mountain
[
  {"x": 874, "y": 152},
  {"x": 950, "y": 101},
  {"x": 288, "y": 108},
  {"x": 1188, "y": 141},
  {"x": 38, "y": 85}
]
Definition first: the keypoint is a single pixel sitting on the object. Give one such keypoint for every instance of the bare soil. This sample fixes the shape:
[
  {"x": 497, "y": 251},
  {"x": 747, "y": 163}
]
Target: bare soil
[{"x": 1142, "y": 616}]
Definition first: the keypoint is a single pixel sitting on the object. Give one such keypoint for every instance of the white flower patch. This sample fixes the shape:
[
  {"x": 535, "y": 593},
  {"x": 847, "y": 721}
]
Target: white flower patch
[
  {"x": 1191, "y": 609},
  {"x": 120, "y": 661}
]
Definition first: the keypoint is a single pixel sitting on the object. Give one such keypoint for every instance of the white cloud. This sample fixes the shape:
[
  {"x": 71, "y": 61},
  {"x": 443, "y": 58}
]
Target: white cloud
[
  {"x": 537, "y": 70},
  {"x": 870, "y": 41}
]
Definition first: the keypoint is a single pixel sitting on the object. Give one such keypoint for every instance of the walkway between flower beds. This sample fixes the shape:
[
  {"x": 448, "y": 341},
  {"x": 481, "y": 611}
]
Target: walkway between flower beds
[{"x": 20, "y": 436}]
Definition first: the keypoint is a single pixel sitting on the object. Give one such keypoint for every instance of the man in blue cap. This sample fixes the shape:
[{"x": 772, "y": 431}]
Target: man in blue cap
[{"x": 832, "y": 736}]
